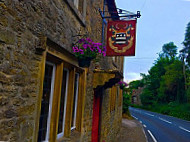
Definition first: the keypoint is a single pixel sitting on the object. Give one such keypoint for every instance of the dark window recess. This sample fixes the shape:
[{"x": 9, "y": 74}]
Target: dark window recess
[
  {"x": 62, "y": 102},
  {"x": 45, "y": 102}
]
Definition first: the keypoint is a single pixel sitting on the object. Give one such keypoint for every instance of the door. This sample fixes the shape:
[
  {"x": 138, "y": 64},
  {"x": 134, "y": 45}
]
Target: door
[{"x": 96, "y": 116}]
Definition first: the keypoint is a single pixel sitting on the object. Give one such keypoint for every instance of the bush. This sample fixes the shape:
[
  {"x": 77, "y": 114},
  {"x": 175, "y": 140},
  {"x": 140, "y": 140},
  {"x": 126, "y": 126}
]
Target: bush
[{"x": 174, "y": 109}]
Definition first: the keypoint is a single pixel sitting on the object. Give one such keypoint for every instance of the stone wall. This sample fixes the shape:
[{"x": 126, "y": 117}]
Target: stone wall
[
  {"x": 22, "y": 23},
  {"x": 110, "y": 119}
]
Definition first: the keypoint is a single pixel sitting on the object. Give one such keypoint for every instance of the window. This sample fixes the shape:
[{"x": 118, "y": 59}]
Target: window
[
  {"x": 75, "y": 100},
  {"x": 46, "y": 104},
  {"x": 79, "y": 9},
  {"x": 63, "y": 100}
]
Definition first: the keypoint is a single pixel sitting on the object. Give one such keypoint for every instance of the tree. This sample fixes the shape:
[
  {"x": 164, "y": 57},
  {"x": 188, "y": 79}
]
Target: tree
[
  {"x": 186, "y": 44},
  {"x": 169, "y": 50},
  {"x": 172, "y": 83},
  {"x": 186, "y": 54},
  {"x": 136, "y": 84},
  {"x": 147, "y": 98}
]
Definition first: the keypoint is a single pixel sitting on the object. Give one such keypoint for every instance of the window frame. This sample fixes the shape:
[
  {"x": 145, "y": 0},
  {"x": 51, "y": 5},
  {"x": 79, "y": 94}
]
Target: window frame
[
  {"x": 50, "y": 100},
  {"x": 60, "y": 135},
  {"x": 62, "y": 60},
  {"x": 76, "y": 9},
  {"x": 76, "y": 103}
]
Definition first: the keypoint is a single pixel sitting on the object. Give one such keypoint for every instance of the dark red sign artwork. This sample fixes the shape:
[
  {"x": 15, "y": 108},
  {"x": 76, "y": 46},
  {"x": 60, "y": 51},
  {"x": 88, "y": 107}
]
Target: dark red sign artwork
[{"x": 121, "y": 38}]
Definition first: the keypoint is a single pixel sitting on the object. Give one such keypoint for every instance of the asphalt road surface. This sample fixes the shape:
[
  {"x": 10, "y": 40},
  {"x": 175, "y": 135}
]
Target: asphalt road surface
[{"x": 162, "y": 128}]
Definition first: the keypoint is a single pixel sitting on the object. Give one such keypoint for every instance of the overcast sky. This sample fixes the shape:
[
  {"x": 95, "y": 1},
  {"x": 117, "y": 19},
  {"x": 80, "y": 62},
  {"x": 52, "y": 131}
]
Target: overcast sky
[{"x": 162, "y": 21}]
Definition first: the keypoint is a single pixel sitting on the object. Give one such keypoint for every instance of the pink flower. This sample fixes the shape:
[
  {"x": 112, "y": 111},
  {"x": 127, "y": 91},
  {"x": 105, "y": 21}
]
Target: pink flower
[
  {"x": 104, "y": 53},
  {"x": 85, "y": 46},
  {"x": 75, "y": 49},
  {"x": 88, "y": 39},
  {"x": 99, "y": 44}
]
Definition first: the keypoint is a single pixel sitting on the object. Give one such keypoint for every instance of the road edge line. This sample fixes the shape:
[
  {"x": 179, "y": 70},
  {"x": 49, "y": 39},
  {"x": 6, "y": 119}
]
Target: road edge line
[
  {"x": 154, "y": 139},
  {"x": 144, "y": 134}
]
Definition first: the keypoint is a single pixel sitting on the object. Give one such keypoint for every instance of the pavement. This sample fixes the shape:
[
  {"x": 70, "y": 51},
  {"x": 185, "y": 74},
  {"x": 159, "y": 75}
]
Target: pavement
[
  {"x": 131, "y": 131},
  {"x": 162, "y": 128}
]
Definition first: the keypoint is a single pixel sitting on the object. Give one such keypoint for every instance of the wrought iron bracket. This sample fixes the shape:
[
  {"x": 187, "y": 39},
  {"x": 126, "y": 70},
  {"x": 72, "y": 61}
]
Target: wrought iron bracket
[
  {"x": 75, "y": 38},
  {"x": 121, "y": 14}
]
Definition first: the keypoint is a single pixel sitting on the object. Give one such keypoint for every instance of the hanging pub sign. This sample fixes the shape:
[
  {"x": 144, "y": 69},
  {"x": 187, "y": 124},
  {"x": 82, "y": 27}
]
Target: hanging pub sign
[{"x": 121, "y": 37}]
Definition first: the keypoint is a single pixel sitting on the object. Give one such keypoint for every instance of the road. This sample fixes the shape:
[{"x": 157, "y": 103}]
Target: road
[{"x": 162, "y": 128}]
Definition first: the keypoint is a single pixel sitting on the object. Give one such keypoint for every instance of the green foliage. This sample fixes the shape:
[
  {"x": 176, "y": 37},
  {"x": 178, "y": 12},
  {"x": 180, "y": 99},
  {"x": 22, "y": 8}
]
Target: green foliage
[
  {"x": 156, "y": 72},
  {"x": 188, "y": 95},
  {"x": 172, "y": 83},
  {"x": 126, "y": 101},
  {"x": 186, "y": 44},
  {"x": 173, "y": 109},
  {"x": 169, "y": 50},
  {"x": 147, "y": 97},
  {"x": 135, "y": 84}
]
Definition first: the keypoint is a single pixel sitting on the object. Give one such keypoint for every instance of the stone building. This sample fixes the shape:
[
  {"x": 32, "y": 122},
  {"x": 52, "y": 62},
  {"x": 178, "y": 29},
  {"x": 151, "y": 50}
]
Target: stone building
[
  {"x": 135, "y": 98},
  {"x": 44, "y": 94}
]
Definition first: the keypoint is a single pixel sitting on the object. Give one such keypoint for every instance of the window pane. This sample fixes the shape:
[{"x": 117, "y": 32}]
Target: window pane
[
  {"x": 45, "y": 102},
  {"x": 75, "y": 100},
  {"x": 62, "y": 101}
]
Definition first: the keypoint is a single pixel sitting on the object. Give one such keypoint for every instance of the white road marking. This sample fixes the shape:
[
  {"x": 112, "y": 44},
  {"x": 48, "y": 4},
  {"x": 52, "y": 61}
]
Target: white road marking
[
  {"x": 144, "y": 125},
  {"x": 135, "y": 117},
  {"x": 165, "y": 120},
  {"x": 145, "y": 135},
  {"x": 184, "y": 129},
  {"x": 149, "y": 114},
  {"x": 152, "y": 136}
]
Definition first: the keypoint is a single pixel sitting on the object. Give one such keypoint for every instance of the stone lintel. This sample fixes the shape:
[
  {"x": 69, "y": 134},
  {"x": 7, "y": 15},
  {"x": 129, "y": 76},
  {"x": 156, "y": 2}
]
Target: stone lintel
[{"x": 106, "y": 78}]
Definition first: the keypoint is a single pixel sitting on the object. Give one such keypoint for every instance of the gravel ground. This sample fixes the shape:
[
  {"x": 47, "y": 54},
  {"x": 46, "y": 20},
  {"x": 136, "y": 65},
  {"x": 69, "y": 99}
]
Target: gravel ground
[{"x": 131, "y": 131}]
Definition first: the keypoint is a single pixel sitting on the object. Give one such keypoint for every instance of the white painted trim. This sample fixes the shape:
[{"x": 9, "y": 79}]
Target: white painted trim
[
  {"x": 51, "y": 100},
  {"x": 76, "y": 100},
  {"x": 65, "y": 104},
  {"x": 76, "y": 3}
]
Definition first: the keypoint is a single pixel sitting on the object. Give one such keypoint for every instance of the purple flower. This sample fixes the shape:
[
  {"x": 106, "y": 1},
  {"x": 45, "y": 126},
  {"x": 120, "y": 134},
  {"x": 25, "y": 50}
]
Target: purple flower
[
  {"x": 81, "y": 50},
  {"x": 99, "y": 44},
  {"x": 75, "y": 49},
  {"x": 103, "y": 53},
  {"x": 81, "y": 40},
  {"x": 85, "y": 46},
  {"x": 122, "y": 83},
  {"x": 99, "y": 51},
  {"x": 91, "y": 49},
  {"x": 88, "y": 39}
]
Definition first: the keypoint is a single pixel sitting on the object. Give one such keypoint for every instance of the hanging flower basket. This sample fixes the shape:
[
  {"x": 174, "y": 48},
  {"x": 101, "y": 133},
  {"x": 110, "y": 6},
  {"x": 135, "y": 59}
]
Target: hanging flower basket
[
  {"x": 86, "y": 50},
  {"x": 84, "y": 62},
  {"x": 122, "y": 84}
]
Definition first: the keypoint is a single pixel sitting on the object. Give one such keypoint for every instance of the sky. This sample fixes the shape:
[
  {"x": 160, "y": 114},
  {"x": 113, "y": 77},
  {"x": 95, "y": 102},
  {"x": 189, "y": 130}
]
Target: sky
[{"x": 162, "y": 21}]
